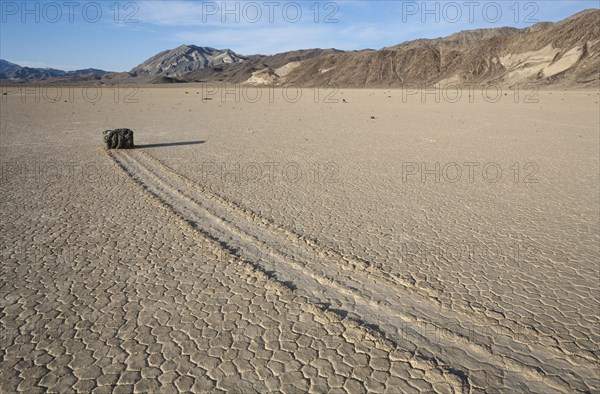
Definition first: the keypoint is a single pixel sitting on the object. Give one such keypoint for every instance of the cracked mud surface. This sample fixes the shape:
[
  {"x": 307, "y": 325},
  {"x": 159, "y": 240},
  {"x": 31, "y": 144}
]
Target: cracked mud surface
[{"x": 166, "y": 268}]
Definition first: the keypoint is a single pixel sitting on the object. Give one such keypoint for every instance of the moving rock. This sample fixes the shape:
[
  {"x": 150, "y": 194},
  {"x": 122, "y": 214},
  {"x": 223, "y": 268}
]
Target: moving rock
[{"x": 118, "y": 139}]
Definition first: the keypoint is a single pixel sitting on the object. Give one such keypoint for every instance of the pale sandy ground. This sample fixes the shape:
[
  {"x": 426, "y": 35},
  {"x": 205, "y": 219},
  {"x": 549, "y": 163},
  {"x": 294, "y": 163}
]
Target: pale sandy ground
[{"x": 297, "y": 247}]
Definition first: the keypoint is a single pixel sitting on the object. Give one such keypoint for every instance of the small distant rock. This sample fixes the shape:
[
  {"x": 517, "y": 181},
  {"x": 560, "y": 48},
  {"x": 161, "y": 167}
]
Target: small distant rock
[
  {"x": 372, "y": 117},
  {"x": 118, "y": 139}
]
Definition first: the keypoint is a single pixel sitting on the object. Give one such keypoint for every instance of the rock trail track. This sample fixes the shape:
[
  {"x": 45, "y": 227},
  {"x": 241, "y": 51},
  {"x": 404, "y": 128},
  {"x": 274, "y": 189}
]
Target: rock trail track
[{"x": 473, "y": 351}]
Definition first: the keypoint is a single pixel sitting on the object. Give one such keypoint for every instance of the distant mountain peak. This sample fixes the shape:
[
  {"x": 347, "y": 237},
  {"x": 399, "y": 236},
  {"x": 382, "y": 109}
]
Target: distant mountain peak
[
  {"x": 10, "y": 70},
  {"x": 184, "y": 59}
]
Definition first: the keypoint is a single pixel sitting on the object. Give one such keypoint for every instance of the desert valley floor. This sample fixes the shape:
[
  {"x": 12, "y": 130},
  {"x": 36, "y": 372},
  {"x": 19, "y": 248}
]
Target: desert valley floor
[{"x": 350, "y": 241}]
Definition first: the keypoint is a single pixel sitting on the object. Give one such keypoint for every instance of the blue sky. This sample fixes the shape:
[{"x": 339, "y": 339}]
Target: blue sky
[{"x": 74, "y": 34}]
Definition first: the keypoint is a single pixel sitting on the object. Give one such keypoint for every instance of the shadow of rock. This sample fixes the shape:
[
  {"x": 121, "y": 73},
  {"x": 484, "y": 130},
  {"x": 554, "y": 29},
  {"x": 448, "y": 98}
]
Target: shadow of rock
[{"x": 167, "y": 144}]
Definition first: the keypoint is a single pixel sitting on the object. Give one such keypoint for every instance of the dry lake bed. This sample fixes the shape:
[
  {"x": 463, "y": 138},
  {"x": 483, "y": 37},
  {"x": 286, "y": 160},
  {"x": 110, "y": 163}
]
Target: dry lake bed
[{"x": 299, "y": 240}]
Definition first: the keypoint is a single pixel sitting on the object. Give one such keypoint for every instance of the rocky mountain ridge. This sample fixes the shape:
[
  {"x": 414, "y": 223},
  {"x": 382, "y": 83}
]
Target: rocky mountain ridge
[
  {"x": 12, "y": 71},
  {"x": 565, "y": 53},
  {"x": 185, "y": 59}
]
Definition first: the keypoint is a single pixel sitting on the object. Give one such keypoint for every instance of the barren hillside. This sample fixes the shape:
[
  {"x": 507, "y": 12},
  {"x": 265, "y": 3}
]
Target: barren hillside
[{"x": 564, "y": 53}]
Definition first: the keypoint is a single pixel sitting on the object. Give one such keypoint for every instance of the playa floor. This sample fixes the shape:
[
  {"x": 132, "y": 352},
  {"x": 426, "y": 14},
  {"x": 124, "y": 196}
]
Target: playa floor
[{"x": 294, "y": 241}]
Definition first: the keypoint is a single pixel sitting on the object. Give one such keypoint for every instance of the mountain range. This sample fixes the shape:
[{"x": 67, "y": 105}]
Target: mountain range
[
  {"x": 565, "y": 53},
  {"x": 10, "y": 70}
]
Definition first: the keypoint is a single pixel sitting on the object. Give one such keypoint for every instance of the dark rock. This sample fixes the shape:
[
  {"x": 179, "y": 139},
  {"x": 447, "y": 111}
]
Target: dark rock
[{"x": 118, "y": 139}]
